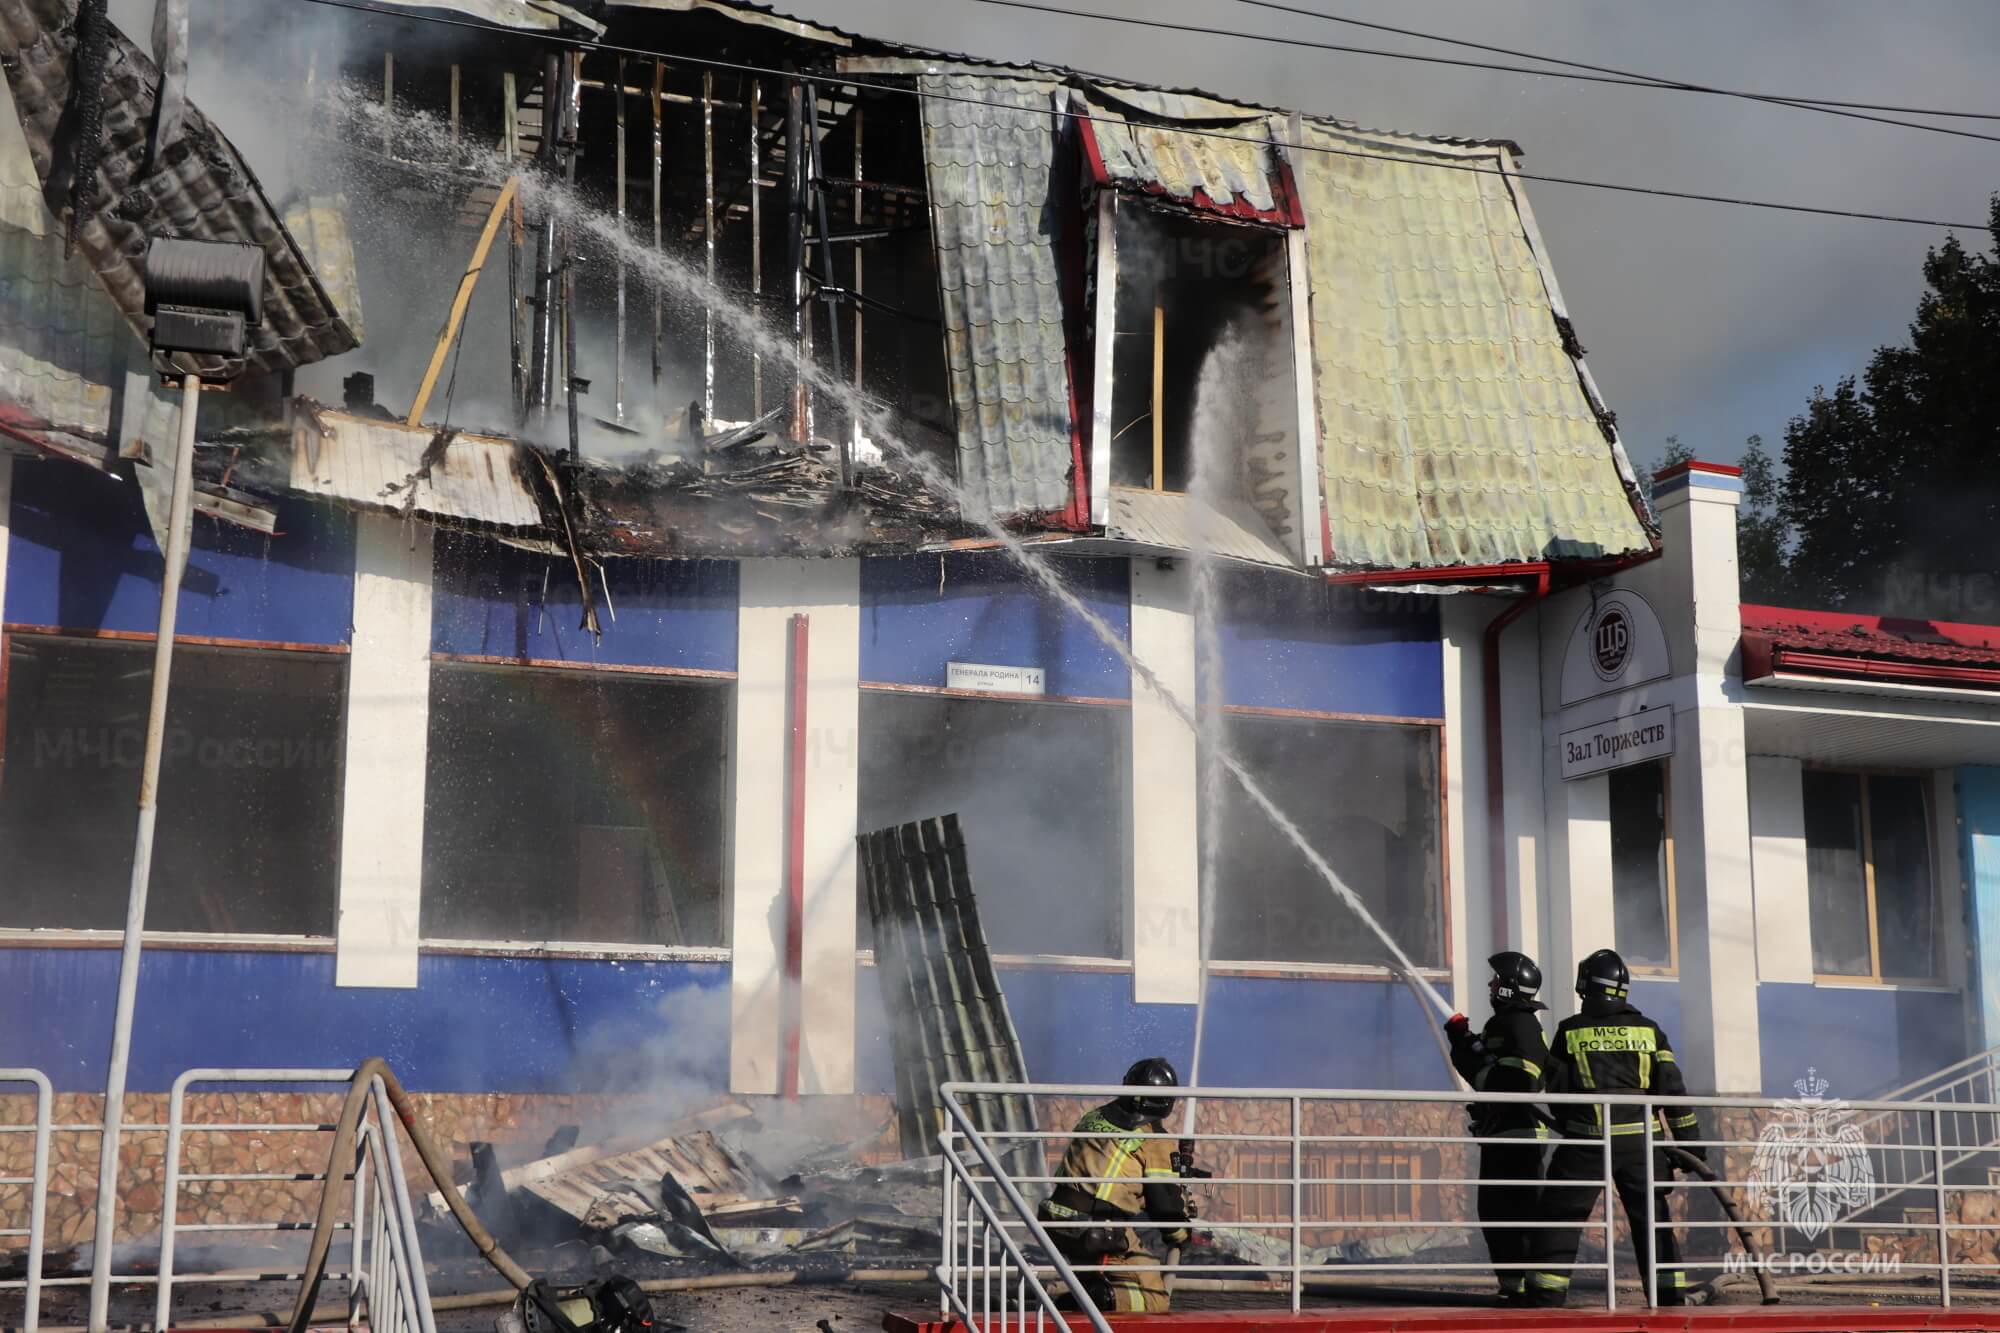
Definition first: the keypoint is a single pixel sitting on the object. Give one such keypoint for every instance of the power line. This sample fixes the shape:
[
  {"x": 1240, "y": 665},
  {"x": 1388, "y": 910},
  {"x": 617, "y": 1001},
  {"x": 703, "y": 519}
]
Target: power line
[
  {"x": 845, "y": 81},
  {"x": 1851, "y": 110}
]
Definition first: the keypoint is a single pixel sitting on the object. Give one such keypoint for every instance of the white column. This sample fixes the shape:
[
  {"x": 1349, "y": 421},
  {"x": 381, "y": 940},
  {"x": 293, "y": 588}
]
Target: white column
[
  {"x": 1711, "y": 801},
  {"x": 1778, "y": 870},
  {"x": 1166, "y": 781},
  {"x": 1462, "y": 621},
  {"x": 771, "y": 592},
  {"x": 388, "y": 727},
  {"x": 1521, "y": 743},
  {"x": 1581, "y": 915}
]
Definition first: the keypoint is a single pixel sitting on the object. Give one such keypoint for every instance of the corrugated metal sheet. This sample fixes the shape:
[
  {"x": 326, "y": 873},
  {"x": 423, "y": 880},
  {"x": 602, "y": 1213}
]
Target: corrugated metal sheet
[
  {"x": 989, "y": 169},
  {"x": 202, "y": 190},
  {"x": 1224, "y": 170},
  {"x": 1455, "y": 428},
  {"x": 377, "y": 463},
  {"x": 761, "y": 15},
  {"x": 542, "y": 15},
  {"x": 1230, "y": 529}
]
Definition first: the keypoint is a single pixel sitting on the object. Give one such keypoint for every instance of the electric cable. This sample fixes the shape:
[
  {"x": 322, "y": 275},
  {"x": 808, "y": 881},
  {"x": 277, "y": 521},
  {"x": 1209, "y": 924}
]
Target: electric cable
[
  {"x": 1614, "y": 78},
  {"x": 1826, "y": 105},
  {"x": 844, "y": 81}
]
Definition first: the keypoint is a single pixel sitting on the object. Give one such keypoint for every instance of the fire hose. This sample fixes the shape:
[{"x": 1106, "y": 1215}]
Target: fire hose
[
  {"x": 1688, "y": 1162},
  {"x": 439, "y": 1167}
]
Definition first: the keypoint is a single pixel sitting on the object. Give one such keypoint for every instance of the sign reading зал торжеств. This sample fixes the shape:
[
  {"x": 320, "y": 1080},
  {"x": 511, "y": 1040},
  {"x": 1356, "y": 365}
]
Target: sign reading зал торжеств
[{"x": 1632, "y": 739}]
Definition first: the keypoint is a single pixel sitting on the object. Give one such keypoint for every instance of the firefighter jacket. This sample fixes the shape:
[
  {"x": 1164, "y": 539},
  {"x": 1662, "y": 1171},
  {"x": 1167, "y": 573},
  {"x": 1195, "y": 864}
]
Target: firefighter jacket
[
  {"x": 1612, "y": 1047},
  {"x": 1509, "y": 1054},
  {"x": 1120, "y": 1178}
]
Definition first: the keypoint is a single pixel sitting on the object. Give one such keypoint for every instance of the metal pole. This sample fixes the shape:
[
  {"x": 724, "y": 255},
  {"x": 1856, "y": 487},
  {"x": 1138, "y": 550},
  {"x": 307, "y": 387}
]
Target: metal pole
[
  {"x": 1651, "y": 1275},
  {"x": 181, "y": 512},
  {"x": 618, "y": 371},
  {"x": 795, "y": 152},
  {"x": 1610, "y": 1224},
  {"x": 855, "y": 432},
  {"x": 756, "y": 242},
  {"x": 659, "y": 327},
  {"x": 541, "y": 375},
  {"x": 1298, "y": 1201},
  {"x": 1943, "y": 1224},
  {"x": 571, "y": 123},
  {"x": 708, "y": 248},
  {"x": 826, "y": 270}
]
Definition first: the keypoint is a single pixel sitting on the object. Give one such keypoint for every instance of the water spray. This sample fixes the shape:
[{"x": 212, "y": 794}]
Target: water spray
[{"x": 540, "y": 190}]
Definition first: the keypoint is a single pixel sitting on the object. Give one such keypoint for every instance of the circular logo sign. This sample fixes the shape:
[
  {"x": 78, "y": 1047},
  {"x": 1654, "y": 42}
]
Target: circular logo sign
[{"x": 1610, "y": 642}]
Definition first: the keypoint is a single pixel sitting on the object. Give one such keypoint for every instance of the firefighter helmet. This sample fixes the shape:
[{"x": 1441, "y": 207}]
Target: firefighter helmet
[
  {"x": 1516, "y": 979},
  {"x": 1150, "y": 1073},
  {"x": 1603, "y": 976}
]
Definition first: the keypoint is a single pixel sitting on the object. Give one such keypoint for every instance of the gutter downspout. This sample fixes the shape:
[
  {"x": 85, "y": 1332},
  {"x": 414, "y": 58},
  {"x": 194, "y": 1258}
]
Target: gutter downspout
[{"x": 1496, "y": 767}]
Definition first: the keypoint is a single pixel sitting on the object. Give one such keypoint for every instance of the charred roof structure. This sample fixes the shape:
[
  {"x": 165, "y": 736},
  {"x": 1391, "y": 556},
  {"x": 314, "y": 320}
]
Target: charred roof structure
[{"x": 753, "y": 295}]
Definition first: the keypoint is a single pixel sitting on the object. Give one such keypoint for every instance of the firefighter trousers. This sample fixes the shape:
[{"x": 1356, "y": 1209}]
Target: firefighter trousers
[
  {"x": 1576, "y": 1171},
  {"x": 1126, "y": 1281},
  {"x": 1503, "y": 1203}
]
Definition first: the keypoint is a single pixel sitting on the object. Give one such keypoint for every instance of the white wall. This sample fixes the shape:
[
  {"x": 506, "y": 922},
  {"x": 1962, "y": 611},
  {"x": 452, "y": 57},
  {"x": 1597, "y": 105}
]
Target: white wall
[
  {"x": 1165, "y": 778},
  {"x": 771, "y": 592},
  {"x": 1580, "y": 918},
  {"x": 1461, "y": 620},
  {"x": 388, "y": 726}
]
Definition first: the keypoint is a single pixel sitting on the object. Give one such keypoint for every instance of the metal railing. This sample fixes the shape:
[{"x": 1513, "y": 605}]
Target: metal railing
[
  {"x": 1967, "y": 1131},
  {"x": 37, "y": 1181},
  {"x": 995, "y": 1242},
  {"x": 384, "y": 1278}
]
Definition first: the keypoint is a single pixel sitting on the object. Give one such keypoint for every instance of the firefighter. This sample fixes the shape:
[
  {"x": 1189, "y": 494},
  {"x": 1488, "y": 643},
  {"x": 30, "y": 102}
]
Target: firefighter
[
  {"x": 1119, "y": 1180},
  {"x": 1509, "y": 1054},
  {"x": 1610, "y": 1047}
]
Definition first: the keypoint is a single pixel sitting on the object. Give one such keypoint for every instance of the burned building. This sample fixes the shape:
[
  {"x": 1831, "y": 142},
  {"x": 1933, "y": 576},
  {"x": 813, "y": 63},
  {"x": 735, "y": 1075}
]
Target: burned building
[{"x": 649, "y": 479}]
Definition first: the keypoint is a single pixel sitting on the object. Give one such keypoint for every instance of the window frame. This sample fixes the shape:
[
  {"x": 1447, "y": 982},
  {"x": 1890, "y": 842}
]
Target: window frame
[
  {"x": 1874, "y": 977},
  {"x": 1127, "y": 905},
  {"x": 605, "y": 950},
  {"x": 1439, "y": 972},
  {"x": 1671, "y": 970},
  {"x": 92, "y": 937}
]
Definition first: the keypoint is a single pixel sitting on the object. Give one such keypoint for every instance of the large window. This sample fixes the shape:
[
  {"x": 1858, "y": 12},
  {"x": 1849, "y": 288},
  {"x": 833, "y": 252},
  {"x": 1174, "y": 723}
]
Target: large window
[
  {"x": 1366, "y": 797},
  {"x": 1642, "y": 869},
  {"x": 569, "y": 806},
  {"x": 248, "y": 837},
  {"x": 1039, "y": 789},
  {"x": 1868, "y": 874}
]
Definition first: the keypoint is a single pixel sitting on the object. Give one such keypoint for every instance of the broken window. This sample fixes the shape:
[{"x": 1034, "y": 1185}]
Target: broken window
[
  {"x": 1869, "y": 877},
  {"x": 1373, "y": 814},
  {"x": 1642, "y": 872},
  {"x": 585, "y": 807},
  {"x": 1185, "y": 285},
  {"x": 248, "y": 837},
  {"x": 1039, "y": 789}
]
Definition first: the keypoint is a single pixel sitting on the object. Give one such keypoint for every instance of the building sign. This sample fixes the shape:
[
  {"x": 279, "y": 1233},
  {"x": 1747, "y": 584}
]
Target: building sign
[
  {"x": 1633, "y": 739},
  {"x": 994, "y": 679},
  {"x": 1617, "y": 643}
]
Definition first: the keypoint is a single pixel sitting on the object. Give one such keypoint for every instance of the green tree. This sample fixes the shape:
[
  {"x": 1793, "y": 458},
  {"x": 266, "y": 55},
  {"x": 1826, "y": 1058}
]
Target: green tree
[
  {"x": 1892, "y": 481},
  {"x": 1761, "y": 536}
]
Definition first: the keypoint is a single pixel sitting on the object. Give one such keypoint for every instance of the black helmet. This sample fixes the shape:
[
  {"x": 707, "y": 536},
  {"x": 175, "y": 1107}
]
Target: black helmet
[
  {"x": 1150, "y": 1073},
  {"x": 1603, "y": 976},
  {"x": 1516, "y": 979}
]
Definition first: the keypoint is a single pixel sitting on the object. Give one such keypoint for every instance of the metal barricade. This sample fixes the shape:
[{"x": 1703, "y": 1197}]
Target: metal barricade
[
  {"x": 37, "y": 1181},
  {"x": 990, "y": 1223},
  {"x": 384, "y": 1278}
]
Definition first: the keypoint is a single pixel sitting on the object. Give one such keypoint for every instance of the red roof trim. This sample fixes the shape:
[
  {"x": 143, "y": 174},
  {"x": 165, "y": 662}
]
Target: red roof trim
[
  {"x": 1696, "y": 465},
  {"x": 1836, "y": 645}
]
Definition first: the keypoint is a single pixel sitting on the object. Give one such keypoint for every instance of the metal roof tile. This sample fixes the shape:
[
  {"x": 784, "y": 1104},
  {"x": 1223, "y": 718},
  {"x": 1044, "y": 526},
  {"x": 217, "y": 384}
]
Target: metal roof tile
[
  {"x": 1456, "y": 429},
  {"x": 989, "y": 170}
]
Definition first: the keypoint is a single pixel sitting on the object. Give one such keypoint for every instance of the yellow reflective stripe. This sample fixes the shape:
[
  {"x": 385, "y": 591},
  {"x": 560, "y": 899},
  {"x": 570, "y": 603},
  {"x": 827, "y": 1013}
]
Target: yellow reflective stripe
[
  {"x": 1552, "y": 1281},
  {"x": 1162, "y": 1171},
  {"x": 1123, "y": 1153},
  {"x": 1516, "y": 1062},
  {"x": 1583, "y": 1069},
  {"x": 1685, "y": 1121},
  {"x": 1645, "y": 1071},
  {"x": 1665, "y": 1057}
]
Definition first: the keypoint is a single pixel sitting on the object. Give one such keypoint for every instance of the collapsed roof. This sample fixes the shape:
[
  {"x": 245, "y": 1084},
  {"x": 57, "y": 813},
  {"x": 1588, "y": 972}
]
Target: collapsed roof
[{"x": 1451, "y": 419}]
